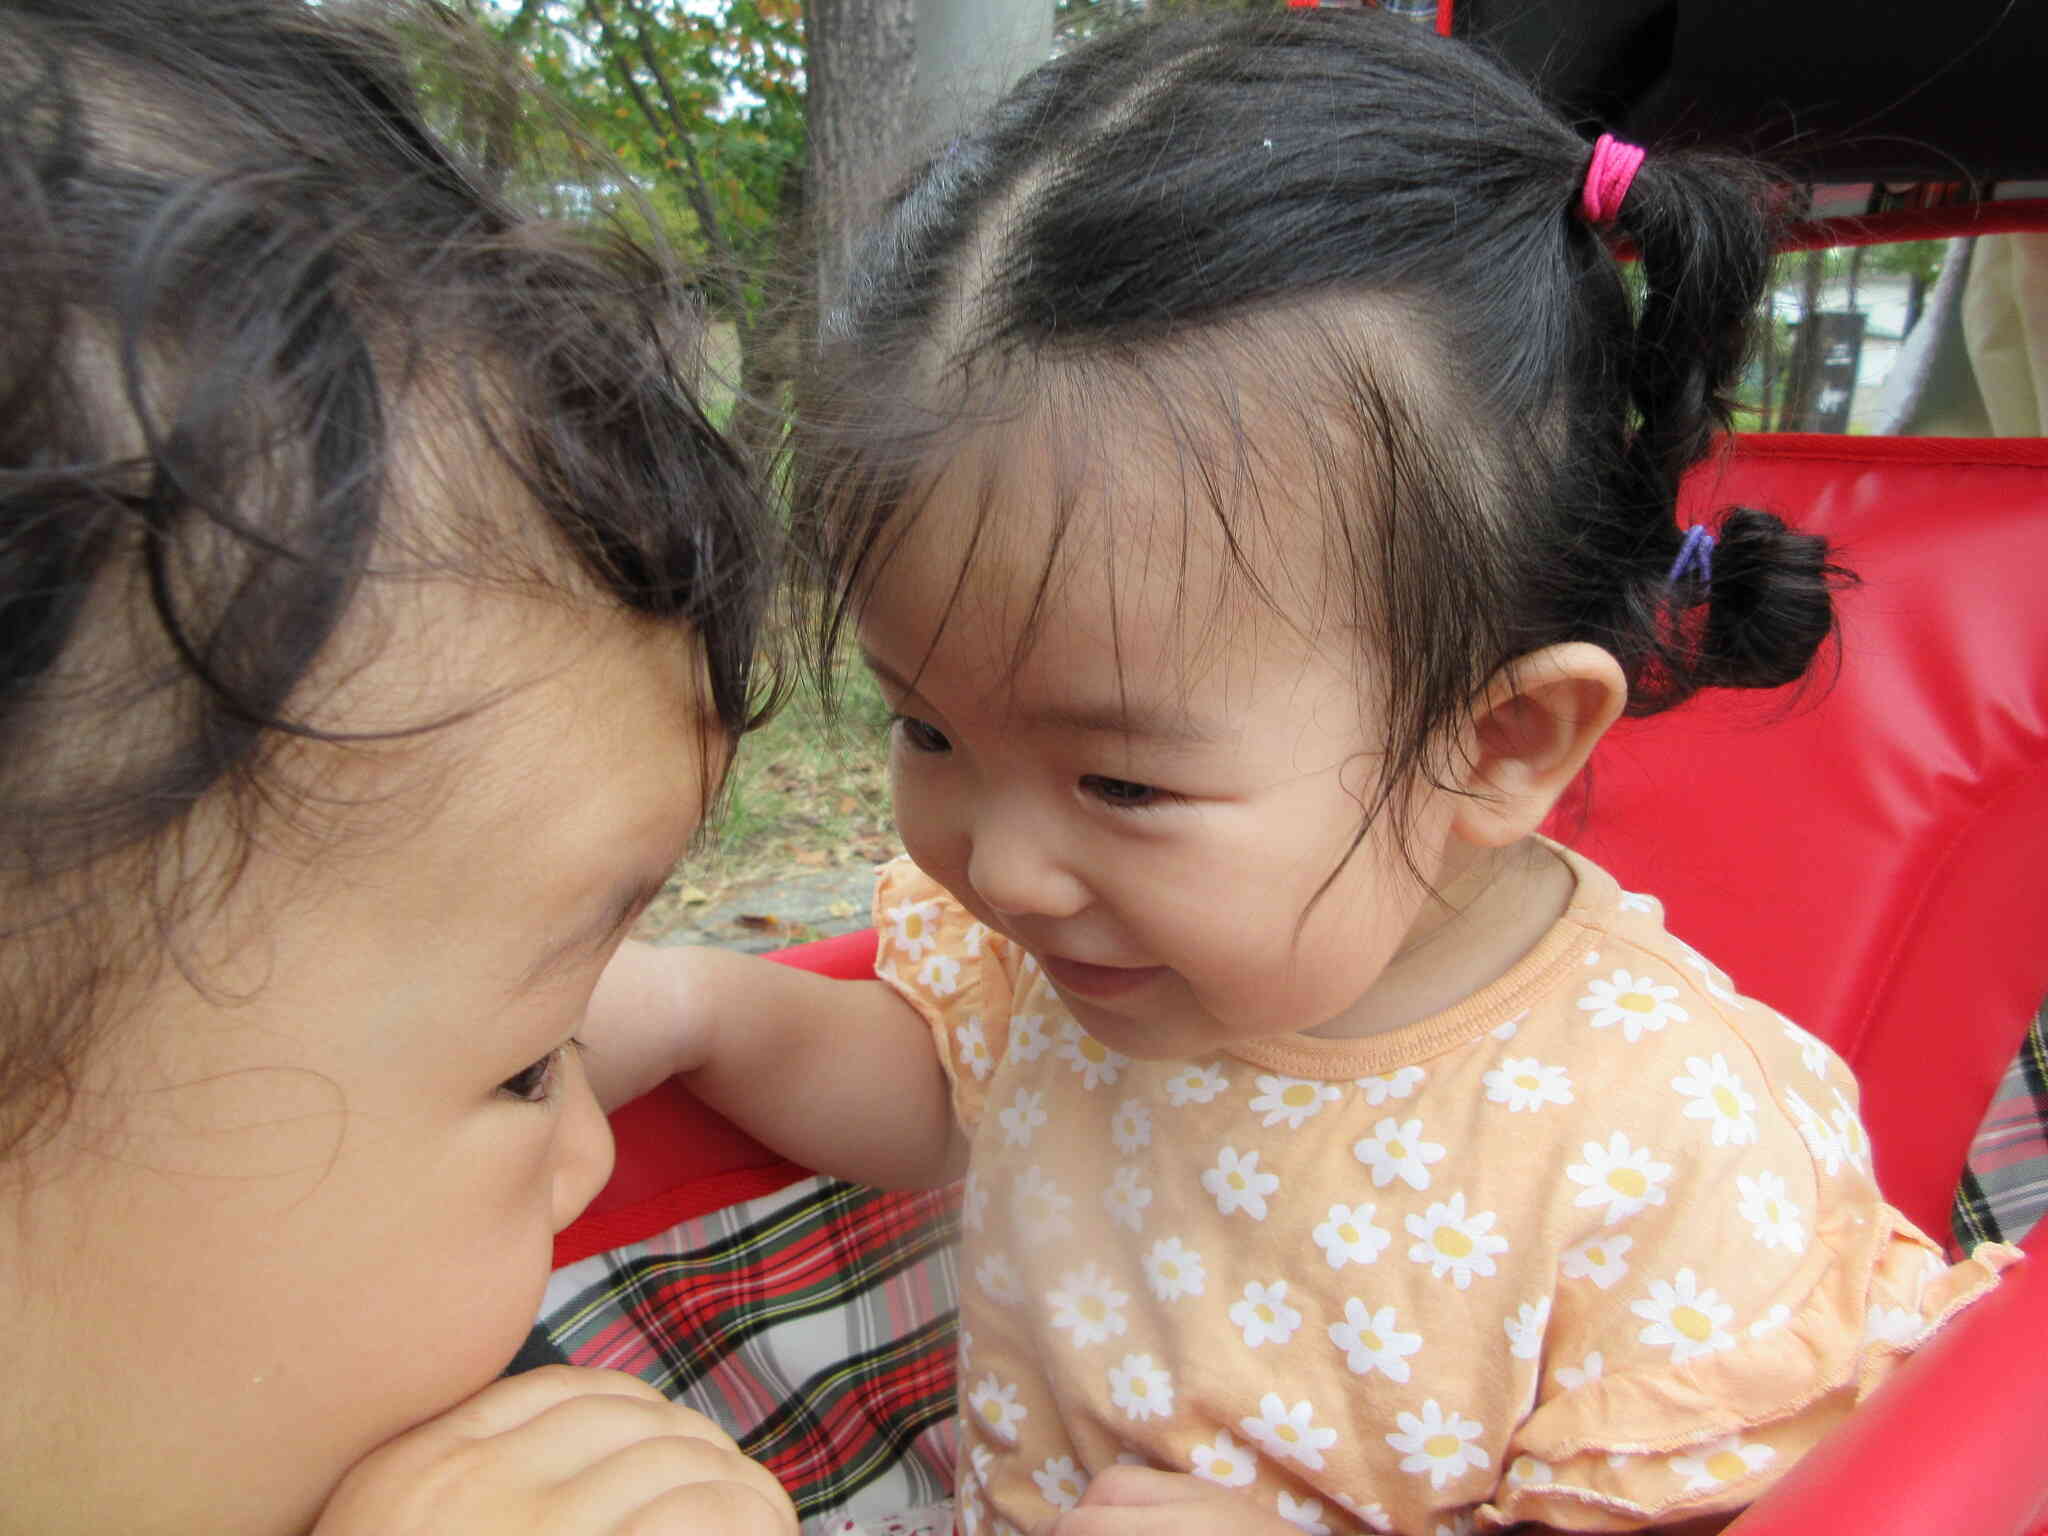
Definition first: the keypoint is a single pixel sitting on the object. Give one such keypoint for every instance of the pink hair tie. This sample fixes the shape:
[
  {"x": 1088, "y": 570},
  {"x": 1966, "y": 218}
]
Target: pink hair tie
[{"x": 1608, "y": 178}]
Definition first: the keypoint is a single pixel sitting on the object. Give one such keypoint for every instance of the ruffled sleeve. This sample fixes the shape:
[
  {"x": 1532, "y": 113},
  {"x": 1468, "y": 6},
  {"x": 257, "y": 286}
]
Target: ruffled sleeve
[
  {"x": 1759, "y": 1308},
  {"x": 957, "y": 974}
]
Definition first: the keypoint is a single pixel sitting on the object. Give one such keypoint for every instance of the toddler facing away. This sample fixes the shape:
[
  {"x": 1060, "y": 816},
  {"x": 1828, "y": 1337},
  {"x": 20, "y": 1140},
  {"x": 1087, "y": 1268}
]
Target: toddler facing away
[{"x": 1253, "y": 485}]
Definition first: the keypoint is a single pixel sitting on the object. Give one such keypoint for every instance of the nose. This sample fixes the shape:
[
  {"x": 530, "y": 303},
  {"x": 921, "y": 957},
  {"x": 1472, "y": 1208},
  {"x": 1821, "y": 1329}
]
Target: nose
[
  {"x": 584, "y": 1148},
  {"x": 1018, "y": 869}
]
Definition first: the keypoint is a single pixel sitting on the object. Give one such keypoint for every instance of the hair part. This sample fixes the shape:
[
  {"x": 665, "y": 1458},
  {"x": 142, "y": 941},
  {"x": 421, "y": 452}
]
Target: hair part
[
  {"x": 1499, "y": 425},
  {"x": 247, "y": 282}
]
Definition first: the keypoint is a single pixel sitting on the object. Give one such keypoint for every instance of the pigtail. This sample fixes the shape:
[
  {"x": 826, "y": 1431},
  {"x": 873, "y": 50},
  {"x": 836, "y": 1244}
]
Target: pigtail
[{"x": 1754, "y": 612}]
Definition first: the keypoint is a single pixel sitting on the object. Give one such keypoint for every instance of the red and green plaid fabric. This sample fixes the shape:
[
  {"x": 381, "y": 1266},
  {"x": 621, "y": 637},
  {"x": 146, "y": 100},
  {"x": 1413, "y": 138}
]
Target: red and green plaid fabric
[
  {"x": 2005, "y": 1186},
  {"x": 817, "y": 1324}
]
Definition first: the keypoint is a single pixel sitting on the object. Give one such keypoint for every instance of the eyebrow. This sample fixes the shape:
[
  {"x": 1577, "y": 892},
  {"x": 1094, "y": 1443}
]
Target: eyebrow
[
  {"x": 1165, "y": 727},
  {"x": 627, "y": 902}
]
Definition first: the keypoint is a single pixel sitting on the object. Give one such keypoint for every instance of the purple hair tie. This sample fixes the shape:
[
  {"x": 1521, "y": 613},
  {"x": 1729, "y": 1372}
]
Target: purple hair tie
[{"x": 1696, "y": 553}]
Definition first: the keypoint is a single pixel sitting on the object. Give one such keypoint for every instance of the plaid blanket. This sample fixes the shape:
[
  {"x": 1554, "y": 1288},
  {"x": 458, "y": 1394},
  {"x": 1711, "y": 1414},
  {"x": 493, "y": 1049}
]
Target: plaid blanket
[
  {"x": 817, "y": 1324},
  {"x": 2005, "y": 1186}
]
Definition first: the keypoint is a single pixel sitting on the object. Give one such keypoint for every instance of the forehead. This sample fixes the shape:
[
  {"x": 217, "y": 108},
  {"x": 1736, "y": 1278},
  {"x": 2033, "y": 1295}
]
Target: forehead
[{"x": 1141, "y": 521}]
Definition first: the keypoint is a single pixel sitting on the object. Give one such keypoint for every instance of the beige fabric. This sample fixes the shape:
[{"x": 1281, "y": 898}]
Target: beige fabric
[{"x": 1598, "y": 1248}]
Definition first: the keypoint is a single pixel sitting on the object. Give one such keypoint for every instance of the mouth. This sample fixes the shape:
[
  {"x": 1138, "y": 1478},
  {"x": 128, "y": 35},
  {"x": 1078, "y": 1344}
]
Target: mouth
[{"x": 1078, "y": 976}]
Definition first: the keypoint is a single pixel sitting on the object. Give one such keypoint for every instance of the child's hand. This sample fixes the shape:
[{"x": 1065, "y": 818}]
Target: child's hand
[
  {"x": 1137, "y": 1501},
  {"x": 565, "y": 1452}
]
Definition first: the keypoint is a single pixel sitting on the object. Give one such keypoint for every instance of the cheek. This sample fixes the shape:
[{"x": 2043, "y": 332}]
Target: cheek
[{"x": 934, "y": 836}]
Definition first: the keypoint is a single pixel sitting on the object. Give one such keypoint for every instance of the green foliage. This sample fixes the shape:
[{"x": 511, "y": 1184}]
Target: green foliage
[{"x": 702, "y": 102}]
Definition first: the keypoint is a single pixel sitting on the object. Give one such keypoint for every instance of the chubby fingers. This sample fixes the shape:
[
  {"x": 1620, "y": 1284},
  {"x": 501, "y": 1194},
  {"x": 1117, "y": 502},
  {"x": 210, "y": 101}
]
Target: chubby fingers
[{"x": 567, "y": 1452}]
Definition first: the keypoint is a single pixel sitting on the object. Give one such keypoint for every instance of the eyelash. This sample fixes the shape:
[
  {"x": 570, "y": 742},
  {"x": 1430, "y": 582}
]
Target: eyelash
[
  {"x": 927, "y": 739},
  {"x": 536, "y": 1082}
]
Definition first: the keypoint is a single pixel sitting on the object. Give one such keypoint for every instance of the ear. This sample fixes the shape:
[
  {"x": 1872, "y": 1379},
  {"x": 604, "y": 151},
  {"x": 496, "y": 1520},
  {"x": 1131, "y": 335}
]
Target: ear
[{"x": 1531, "y": 730}]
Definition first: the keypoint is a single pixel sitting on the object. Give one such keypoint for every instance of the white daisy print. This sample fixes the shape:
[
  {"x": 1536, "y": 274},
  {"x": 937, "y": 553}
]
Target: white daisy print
[
  {"x": 1438, "y": 1444},
  {"x": 1684, "y": 1318},
  {"x": 1895, "y": 1327},
  {"x": 1776, "y": 1317},
  {"x": 1028, "y": 1037},
  {"x": 972, "y": 1041},
  {"x": 1452, "y": 1243},
  {"x": 1224, "y": 1462},
  {"x": 1525, "y": 1328},
  {"x": 1572, "y": 1377},
  {"x": 983, "y": 1460},
  {"x": 1773, "y": 1219},
  {"x": 1458, "y": 1525},
  {"x": 1289, "y": 1101},
  {"x": 1713, "y": 980},
  {"x": 1598, "y": 1259},
  {"x": 1716, "y": 1095},
  {"x": 1290, "y": 1434},
  {"x": 997, "y": 1277},
  {"x": 1131, "y": 1126},
  {"x": 1636, "y": 1003},
  {"x": 970, "y": 941},
  {"x": 1126, "y": 1198},
  {"x": 1195, "y": 1085},
  {"x": 939, "y": 974},
  {"x": 1849, "y": 1131},
  {"x": 1524, "y": 1470},
  {"x": 1635, "y": 901},
  {"x": 1305, "y": 1515},
  {"x": 1623, "y": 1178},
  {"x": 1021, "y": 1116},
  {"x": 914, "y": 928},
  {"x": 1348, "y": 1236},
  {"x": 1725, "y": 1461},
  {"x": 1173, "y": 1270},
  {"x": 1060, "y": 1482},
  {"x": 1391, "y": 1085},
  {"x": 1813, "y": 1054},
  {"x": 1238, "y": 1185},
  {"x": 1088, "y": 1305},
  {"x": 1523, "y": 1082},
  {"x": 1373, "y": 1341},
  {"x": 1396, "y": 1150},
  {"x": 995, "y": 1404},
  {"x": 1096, "y": 1062},
  {"x": 1038, "y": 1208},
  {"x": 1509, "y": 1028},
  {"x": 973, "y": 1202},
  {"x": 1139, "y": 1389},
  {"x": 1263, "y": 1314},
  {"x": 1823, "y": 1140}
]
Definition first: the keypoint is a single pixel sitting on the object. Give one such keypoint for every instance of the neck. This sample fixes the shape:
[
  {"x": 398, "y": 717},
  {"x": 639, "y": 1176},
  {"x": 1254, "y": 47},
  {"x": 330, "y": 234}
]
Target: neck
[{"x": 1488, "y": 912}]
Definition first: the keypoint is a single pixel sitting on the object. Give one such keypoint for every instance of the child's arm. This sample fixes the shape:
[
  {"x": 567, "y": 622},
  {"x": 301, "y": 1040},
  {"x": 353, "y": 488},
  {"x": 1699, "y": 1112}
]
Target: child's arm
[{"x": 840, "y": 1076}]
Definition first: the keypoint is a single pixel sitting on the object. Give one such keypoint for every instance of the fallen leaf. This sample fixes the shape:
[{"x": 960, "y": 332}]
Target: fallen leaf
[
  {"x": 848, "y": 805},
  {"x": 759, "y": 922},
  {"x": 813, "y": 857},
  {"x": 842, "y": 909},
  {"x": 692, "y": 896}
]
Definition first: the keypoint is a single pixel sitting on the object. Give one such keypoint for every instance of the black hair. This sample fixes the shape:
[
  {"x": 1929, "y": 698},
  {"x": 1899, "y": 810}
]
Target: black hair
[
  {"x": 240, "y": 272},
  {"x": 1377, "y": 230}
]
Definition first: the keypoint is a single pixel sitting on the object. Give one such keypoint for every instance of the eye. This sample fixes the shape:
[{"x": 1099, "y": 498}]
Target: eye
[
  {"x": 1124, "y": 794},
  {"x": 920, "y": 735},
  {"x": 535, "y": 1084}
]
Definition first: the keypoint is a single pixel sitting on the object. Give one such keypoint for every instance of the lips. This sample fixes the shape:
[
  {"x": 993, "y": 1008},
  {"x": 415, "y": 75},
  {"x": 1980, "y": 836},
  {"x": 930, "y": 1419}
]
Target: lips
[{"x": 1097, "y": 980}]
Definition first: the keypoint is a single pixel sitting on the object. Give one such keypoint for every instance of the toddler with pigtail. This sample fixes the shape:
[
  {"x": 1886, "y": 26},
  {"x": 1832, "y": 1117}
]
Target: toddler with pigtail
[{"x": 1254, "y": 487}]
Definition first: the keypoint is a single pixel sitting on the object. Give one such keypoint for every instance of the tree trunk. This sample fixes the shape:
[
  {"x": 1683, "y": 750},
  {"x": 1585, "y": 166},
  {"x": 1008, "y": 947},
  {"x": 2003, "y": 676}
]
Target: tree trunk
[{"x": 861, "y": 75}]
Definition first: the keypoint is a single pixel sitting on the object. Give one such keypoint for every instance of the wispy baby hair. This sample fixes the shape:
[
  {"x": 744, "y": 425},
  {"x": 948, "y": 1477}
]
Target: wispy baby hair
[
  {"x": 1338, "y": 221},
  {"x": 242, "y": 274}
]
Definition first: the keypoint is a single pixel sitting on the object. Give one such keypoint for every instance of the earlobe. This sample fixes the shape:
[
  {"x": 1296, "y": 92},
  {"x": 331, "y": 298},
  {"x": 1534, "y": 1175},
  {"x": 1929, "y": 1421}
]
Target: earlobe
[{"x": 1531, "y": 730}]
